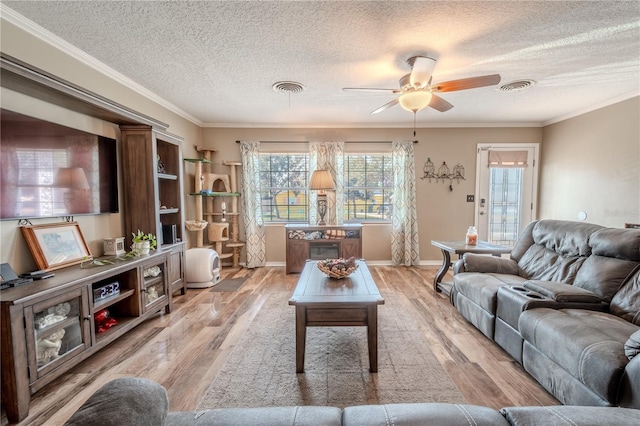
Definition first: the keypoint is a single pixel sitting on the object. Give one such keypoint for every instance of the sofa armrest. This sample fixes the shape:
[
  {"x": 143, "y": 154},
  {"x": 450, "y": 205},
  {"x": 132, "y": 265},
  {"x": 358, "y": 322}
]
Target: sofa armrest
[
  {"x": 562, "y": 292},
  {"x": 630, "y": 384},
  {"x": 472, "y": 262},
  {"x": 570, "y": 415},
  {"x": 632, "y": 346}
]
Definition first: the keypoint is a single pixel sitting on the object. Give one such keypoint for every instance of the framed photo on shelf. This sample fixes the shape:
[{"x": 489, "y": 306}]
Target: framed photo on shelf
[{"x": 56, "y": 245}]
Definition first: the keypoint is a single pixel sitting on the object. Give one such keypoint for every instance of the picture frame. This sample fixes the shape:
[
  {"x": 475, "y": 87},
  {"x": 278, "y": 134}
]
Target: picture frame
[{"x": 56, "y": 245}]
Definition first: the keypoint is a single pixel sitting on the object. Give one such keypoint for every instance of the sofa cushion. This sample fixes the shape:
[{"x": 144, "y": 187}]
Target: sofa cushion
[
  {"x": 440, "y": 414},
  {"x": 483, "y": 263},
  {"x": 559, "y": 250},
  {"x": 632, "y": 346},
  {"x": 525, "y": 240},
  {"x": 616, "y": 242},
  {"x": 604, "y": 275},
  {"x": 540, "y": 263},
  {"x": 589, "y": 345},
  {"x": 570, "y": 415},
  {"x": 626, "y": 302},
  {"x": 125, "y": 401},
  {"x": 566, "y": 238},
  {"x": 299, "y": 416},
  {"x": 482, "y": 288}
]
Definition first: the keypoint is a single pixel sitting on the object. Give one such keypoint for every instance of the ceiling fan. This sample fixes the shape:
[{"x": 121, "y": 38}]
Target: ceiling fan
[{"x": 417, "y": 92}]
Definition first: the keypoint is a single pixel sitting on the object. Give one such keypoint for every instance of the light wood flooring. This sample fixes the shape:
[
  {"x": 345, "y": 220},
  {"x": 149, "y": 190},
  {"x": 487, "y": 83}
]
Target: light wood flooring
[{"x": 186, "y": 349}]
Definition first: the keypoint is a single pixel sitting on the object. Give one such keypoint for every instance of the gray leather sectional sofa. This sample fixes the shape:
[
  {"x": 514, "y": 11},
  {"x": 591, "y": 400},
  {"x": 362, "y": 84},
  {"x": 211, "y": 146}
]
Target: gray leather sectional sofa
[
  {"x": 565, "y": 305},
  {"x": 139, "y": 402}
]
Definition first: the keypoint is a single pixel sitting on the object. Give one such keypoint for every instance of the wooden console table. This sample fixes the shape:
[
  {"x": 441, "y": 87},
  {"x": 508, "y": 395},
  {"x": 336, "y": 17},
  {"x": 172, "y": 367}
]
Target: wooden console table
[
  {"x": 460, "y": 248},
  {"x": 50, "y": 326},
  {"x": 313, "y": 242}
]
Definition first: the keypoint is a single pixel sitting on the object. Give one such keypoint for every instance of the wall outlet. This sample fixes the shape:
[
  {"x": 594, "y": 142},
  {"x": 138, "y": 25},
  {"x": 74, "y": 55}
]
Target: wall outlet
[{"x": 471, "y": 198}]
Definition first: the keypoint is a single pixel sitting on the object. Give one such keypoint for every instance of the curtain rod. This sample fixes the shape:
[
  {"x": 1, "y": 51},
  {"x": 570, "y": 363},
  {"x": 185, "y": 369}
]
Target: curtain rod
[{"x": 344, "y": 141}]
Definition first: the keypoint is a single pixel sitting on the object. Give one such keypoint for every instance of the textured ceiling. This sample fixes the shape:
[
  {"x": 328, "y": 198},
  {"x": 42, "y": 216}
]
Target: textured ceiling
[{"x": 215, "y": 61}]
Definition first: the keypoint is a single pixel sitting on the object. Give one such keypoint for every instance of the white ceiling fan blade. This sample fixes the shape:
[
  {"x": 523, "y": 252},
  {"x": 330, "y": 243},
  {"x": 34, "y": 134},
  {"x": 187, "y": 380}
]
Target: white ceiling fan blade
[
  {"x": 439, "y": 104},
  {"x": 386, "y": 106},
  {"x": 421, "y": 70},
  {"x": 369, "y": 89}
]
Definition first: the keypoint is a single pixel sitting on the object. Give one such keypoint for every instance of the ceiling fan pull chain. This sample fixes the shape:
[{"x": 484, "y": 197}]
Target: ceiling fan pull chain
[{"x": 414, "y": 124}]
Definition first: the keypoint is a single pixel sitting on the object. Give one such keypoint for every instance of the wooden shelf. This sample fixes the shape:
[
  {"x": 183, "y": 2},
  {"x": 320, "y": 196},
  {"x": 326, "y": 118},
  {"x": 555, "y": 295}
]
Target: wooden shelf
[
  {"x": 47, "y": 331},
  {"x": 198, "y": 160},
  {"x": 216, "y": 194},
  {"x": 167, "y": 176},
  {"x": 220, "y": 214},
  {"x": 103, "y": 304},
  {"x": 110, "y": 334},
  {"x": 236, "y": 244}
]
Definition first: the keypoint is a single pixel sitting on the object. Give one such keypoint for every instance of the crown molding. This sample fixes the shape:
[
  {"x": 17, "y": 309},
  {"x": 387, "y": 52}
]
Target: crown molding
[
  {"x": 48, "y": 37},
  {"x": 367, "y": 125},
  {"x": 599, "y": 105}
]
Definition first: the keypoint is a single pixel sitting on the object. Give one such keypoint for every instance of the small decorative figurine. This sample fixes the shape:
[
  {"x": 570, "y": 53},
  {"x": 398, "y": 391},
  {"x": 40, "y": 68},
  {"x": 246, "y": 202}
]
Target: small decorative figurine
[{"x": 48, "y": 349}]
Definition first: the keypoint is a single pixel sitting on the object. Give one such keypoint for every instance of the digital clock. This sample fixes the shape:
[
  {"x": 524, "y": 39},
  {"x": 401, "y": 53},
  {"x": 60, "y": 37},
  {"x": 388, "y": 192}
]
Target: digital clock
[{"x": 106, "y": 291}]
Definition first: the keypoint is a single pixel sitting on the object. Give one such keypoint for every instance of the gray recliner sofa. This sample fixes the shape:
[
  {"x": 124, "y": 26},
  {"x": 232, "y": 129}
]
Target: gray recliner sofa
[
  {"x": 133, "y": 401},
  {"x": 566, "y": 305}
]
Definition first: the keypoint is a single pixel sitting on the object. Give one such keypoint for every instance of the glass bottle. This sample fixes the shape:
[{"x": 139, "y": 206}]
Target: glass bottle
[{"x": 472, "y": 236}]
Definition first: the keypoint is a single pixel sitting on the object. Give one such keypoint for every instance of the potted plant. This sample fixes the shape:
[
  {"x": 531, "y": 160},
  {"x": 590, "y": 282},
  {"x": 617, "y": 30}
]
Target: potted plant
[{"x": 142, "y": 242}]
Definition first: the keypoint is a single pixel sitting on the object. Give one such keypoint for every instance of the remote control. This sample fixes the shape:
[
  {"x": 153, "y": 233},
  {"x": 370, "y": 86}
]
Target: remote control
[
  {"x": 33, "y": 274},
  {"x": 43, "y": 276}
]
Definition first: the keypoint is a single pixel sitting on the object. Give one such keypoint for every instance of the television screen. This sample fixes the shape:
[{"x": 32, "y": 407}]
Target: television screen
[{"x": 49, "y": 170}]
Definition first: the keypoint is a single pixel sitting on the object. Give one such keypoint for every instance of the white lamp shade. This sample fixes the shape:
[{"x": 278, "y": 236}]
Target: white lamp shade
[
  {"x": 321, "y": 180},
  {"x": 71, "y": 177},
  {"x": 415, "y": 100}
]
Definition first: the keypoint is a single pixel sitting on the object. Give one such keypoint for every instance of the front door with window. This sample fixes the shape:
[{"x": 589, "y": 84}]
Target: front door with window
[{"x": 506, "y": 188}]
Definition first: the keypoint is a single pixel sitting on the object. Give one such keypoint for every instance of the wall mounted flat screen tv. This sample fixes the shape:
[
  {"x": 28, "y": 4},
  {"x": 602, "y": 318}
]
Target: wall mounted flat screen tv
[{"x": 49, "y": 170}]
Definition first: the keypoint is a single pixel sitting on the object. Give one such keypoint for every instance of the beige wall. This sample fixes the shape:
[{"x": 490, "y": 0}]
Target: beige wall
[
  {"x": 591, "y": 163},
  {"x": 588, "y": 163},
  {"x": 443, "y": 214},
  {"x": 27, "y": 48}
]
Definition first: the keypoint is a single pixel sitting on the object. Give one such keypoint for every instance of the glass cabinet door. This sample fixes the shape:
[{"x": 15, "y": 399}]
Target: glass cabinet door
[
  {"x": 154, "y": 284},
  {"x": 57, "y": 330}
]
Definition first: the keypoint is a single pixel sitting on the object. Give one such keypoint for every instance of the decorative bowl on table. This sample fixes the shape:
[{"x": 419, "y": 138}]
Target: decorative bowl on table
[{"x": 338, "y": 268}]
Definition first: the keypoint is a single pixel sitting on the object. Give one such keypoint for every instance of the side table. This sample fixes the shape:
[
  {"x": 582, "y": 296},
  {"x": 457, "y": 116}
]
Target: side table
[{"x": 460, "y": 248}]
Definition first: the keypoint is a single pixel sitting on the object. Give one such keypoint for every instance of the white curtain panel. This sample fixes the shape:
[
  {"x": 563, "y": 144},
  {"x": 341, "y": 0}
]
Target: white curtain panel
[
  {"x": 405, "y": 249},
  {"x": 328, "y": 156},
  {"x": 252, "y": 207}
]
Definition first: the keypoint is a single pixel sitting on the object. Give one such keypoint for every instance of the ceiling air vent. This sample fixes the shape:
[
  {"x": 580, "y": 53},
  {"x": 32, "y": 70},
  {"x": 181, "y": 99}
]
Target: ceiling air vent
[
  {"x": 288, "y": 87},
  {"x": 516, "y": 86}
]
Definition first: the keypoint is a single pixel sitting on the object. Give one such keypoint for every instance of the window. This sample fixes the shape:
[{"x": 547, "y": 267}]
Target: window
[
  {"x": 505, "y": 202},
  {"x": 37, "y": 195},
  {"x": 284, "y": 187},
  {"x": 368, "y": 187}
]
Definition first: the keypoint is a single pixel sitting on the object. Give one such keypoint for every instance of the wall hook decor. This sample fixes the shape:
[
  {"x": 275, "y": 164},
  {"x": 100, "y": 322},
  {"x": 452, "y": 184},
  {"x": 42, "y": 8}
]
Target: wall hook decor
[{"x": 443, "y": 172}]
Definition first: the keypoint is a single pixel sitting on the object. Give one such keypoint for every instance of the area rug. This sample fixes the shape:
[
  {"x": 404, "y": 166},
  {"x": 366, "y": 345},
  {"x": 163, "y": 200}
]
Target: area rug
[
  {"x": 229, "y": 284},
  {"x": 261, "y": 369}
]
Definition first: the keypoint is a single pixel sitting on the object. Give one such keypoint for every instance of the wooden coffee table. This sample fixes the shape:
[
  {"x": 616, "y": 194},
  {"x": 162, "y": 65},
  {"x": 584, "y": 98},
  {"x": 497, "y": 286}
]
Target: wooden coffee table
[
  {"x": 321, "y": 301},
  {"x": 460, "y": 248}
]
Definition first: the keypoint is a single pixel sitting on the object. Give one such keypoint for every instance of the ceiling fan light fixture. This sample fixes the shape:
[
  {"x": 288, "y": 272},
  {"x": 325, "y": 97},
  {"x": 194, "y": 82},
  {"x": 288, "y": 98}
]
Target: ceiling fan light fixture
[{"x": 415, "y": 100}]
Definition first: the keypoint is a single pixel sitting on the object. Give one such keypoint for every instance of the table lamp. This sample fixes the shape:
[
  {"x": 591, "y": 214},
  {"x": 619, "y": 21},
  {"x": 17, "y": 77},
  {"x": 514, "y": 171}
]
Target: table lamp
[{"x": 321, "y": 181}]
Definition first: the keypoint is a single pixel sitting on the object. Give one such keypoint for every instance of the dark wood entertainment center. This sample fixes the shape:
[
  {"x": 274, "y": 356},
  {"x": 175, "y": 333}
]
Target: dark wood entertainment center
[
  {"x": 50, "y": 326},
  {"x": 321, "y": 242}
]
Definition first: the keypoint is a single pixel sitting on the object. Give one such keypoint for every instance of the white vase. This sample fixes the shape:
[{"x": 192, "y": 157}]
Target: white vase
[{"x": 141, "y": 247}]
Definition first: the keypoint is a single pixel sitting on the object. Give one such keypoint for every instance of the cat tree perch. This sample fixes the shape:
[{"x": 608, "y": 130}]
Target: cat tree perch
[{"x": 220, "y": 219}]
